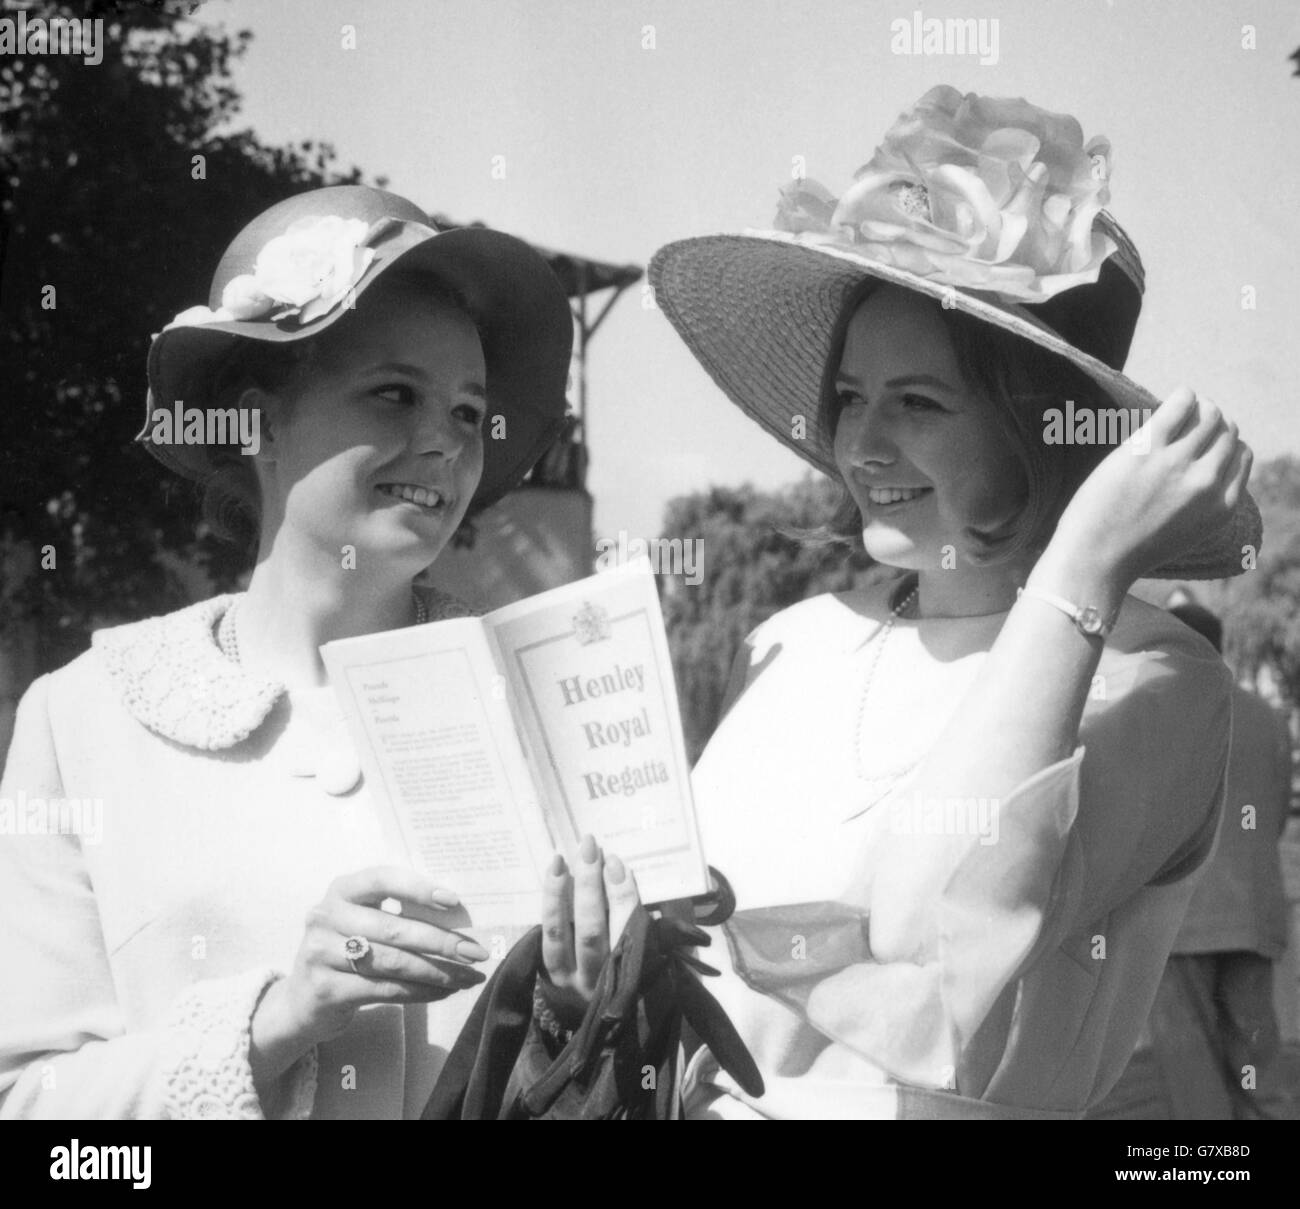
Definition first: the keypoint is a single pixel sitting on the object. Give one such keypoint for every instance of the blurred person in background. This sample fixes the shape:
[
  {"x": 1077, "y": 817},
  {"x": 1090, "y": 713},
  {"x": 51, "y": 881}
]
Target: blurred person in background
[{"x": 1207, "y": 1051}]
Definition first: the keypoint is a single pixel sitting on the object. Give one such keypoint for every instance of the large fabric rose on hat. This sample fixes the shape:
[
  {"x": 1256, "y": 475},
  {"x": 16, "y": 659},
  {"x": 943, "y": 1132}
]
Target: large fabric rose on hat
[
  {"x": 304, "y": 274},
  {"x": 982, "y": 193}
]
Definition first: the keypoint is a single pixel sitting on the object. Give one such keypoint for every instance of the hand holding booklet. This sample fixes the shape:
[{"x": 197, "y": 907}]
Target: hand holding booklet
[{"x": 490, "y": 743}]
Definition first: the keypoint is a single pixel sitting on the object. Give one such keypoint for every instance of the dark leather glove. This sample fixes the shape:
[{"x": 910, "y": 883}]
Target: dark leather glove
[{"x": 620, "y": 1062}]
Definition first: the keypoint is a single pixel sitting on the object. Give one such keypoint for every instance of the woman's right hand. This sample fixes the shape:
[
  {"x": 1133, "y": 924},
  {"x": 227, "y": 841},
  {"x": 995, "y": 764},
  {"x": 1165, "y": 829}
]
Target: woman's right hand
[
  {"x": 414, "y": 958},
  {"x": 1153, "y": 496},
  {"x": 583, "y": 915}
]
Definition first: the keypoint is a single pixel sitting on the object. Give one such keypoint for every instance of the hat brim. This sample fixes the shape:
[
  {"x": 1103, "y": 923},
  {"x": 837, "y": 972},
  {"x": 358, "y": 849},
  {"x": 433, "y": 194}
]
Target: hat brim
[
  {"x": 524, "y": 322},
  {"x": 759, "y": 312}
]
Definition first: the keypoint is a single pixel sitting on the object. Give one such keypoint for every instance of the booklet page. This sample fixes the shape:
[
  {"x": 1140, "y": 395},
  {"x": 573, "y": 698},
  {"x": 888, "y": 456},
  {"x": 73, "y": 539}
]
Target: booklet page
[
  {"x": 593, "y": 688},
  {"x": 427, "y": 710}
]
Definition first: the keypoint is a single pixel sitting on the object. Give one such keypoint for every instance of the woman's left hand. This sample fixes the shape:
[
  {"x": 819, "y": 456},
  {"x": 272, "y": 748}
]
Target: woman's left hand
[{"x": 583, "y": 915}]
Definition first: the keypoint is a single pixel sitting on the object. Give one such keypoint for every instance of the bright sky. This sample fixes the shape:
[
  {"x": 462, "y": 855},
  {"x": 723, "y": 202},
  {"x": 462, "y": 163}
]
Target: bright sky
[{"x": 627, "y": 124}]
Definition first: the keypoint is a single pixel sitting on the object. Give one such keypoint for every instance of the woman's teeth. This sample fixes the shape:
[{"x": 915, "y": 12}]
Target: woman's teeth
[
  {"x": 423, "y": 496},
  {"x": 892, "y": 495}
]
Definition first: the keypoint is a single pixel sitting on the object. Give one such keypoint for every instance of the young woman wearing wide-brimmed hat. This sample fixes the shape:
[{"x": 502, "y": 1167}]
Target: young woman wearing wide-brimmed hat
[
  {"x": 207, "y": 950},
  {"x": 961, "y": 822}
]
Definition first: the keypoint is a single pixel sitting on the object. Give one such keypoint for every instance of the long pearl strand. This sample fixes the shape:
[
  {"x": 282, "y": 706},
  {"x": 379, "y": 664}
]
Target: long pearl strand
[{"x": 901, "y": 607}]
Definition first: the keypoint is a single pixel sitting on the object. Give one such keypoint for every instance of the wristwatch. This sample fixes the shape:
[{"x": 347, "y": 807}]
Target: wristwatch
[{"x": 1087, "y": 619}]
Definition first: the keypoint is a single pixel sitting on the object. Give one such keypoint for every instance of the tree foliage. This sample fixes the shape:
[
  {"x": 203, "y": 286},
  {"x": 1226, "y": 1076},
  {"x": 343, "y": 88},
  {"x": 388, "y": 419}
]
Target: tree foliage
[
  {"x": 753, "y": 565},
  {"x": 1261, "y": 608},
  {"x": 111, "y": 225}
]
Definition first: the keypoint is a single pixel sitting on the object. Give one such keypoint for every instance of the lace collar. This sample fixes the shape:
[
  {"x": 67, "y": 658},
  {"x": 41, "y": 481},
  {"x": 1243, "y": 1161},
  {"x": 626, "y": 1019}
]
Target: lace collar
[{"x": 174, "y": 679}]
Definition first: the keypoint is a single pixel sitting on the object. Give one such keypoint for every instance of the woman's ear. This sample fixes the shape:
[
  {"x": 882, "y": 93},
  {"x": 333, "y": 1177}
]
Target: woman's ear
[{"x": 259, "y": 416}]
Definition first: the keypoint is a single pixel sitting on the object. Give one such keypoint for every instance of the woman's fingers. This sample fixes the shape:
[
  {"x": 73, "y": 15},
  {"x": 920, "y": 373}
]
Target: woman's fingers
[
  {"x": 1207, "y": 429},
  {"x": 1220, "y": 458},
  {"x": 371, "y": 886},
  {"x": 590, "y": 916},
  {"x": 1175, "y": 415},
  {"x": 583, "y": 915},
  {"x": 385, "y": 963},
  {"x": 557, "y": 922},
  {"x": 1239, "y": 474},
  {"x": 400, "y": 932},
  {"x": 361, "y": 991},
  {"x": 407, "y": 949},
  {"x": 623, "y": 896}
]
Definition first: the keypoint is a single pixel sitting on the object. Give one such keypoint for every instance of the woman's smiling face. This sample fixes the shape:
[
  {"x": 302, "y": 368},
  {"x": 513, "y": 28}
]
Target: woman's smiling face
[
  {"x": 379, "y": 442},
  {"x": 921, "y": 453}
]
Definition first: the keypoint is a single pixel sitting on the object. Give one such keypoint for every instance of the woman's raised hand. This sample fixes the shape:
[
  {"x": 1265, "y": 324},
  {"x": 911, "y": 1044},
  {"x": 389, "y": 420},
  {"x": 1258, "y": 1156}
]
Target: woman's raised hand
[
  {"x": 583, "y": 915},
  {"x": 413, "y": 957},
  {"x": 1179, "y": 477}
]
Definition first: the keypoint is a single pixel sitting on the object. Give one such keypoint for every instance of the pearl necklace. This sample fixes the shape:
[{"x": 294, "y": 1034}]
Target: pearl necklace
[
  {"x": 863, "y": 775},
  {"x": 228, "y": 635}
]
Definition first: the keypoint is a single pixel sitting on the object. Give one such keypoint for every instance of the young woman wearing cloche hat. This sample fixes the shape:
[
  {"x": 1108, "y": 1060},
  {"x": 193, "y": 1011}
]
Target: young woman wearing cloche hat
[
  {"x": 962, "y": 812},
  {"x": 208, "y": 952}
]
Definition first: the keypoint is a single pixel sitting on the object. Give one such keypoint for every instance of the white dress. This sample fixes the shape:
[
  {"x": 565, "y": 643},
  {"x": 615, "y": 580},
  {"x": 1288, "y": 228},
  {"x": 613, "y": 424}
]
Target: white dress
[{"x": 1049, "y": 937}]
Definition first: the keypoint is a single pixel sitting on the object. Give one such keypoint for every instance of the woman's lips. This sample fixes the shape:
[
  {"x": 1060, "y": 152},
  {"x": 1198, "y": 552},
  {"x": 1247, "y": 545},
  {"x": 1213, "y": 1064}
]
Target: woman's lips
[
  {"x": 429, "y": 499},
  {"x": 894, "y": 499}
]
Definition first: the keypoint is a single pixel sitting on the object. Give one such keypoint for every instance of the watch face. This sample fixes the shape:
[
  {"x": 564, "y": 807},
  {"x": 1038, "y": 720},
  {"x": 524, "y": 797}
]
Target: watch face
[{"x": 1090, "y": 621}]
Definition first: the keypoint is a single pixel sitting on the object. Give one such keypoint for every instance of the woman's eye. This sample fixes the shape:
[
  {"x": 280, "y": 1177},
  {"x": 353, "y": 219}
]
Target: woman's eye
[
  {"x": 847, "y": 398},
  {"x": 397, "y": 392},
  {"x": 471, "y": 414},
  {"x": 920, "y": 403}
]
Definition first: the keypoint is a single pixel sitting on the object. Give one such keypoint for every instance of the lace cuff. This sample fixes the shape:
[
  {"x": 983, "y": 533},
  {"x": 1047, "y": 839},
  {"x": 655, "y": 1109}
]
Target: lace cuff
[{"x": 206, "y": 1072}]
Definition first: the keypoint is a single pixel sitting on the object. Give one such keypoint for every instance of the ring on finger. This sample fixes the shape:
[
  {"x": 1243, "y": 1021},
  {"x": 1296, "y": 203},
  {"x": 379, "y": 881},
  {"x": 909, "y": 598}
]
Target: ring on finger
[{"x": 354, "y": 949}]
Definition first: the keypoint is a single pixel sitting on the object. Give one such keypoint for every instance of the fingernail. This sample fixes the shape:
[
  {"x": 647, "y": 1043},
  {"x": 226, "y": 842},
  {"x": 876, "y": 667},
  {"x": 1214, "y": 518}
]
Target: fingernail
[
  {"x": 445, "y": 898},
  {"x": 615, "y": 870},
  {"x": 471, "y": 951},
  {"x": 469, "y": 976},
  {"x": 588, "y": 850},
  {"x": 558, "y": 867}
]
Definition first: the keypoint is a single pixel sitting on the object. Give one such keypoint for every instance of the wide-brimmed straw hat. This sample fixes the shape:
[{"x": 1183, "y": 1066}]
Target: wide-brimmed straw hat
[
  {"x": 299, "y": 266},
  {"x": 991, "y": 206}
]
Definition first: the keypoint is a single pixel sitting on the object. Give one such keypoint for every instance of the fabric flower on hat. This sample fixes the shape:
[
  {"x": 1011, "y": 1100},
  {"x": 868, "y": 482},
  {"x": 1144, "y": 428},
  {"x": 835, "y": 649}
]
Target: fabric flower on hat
[
  {"x": 303, "y": 274},
  {"x": 982, "y": 193}
]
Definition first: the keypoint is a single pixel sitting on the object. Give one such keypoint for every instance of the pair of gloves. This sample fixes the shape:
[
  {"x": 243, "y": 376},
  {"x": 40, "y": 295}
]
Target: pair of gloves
[{"x": 620, "y": 1062}]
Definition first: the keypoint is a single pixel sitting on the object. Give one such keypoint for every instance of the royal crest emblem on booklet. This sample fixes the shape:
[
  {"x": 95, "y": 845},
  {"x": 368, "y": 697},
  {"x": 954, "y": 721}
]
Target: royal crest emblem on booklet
[{"x": 590, "y": 624}]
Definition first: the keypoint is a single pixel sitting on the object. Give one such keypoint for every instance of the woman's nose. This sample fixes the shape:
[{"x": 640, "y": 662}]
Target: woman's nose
[
  {"x": 868, "y": 435},
  {"x": 438, "y": 432}
]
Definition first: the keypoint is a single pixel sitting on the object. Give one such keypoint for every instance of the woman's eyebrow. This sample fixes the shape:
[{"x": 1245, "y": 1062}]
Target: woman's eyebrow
[
  {"x": 396, "y": 367},
  {"x": 919, "y": 380},
  {"x": 470, "y": 386}
]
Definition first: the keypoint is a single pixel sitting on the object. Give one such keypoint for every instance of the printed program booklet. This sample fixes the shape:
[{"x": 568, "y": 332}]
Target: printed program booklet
[{"x": 491, "y": 743}]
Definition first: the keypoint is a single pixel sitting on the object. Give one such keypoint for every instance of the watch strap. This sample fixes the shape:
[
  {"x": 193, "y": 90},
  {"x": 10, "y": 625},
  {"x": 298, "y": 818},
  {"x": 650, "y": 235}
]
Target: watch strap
[{"x": 1087, "y": 618}]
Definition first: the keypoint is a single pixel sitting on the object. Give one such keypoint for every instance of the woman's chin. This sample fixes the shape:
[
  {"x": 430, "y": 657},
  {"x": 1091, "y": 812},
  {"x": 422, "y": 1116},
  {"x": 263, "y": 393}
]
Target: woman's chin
[
  {"x": 892, "y": 548},
  {"x": 418, "y": 543}
]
